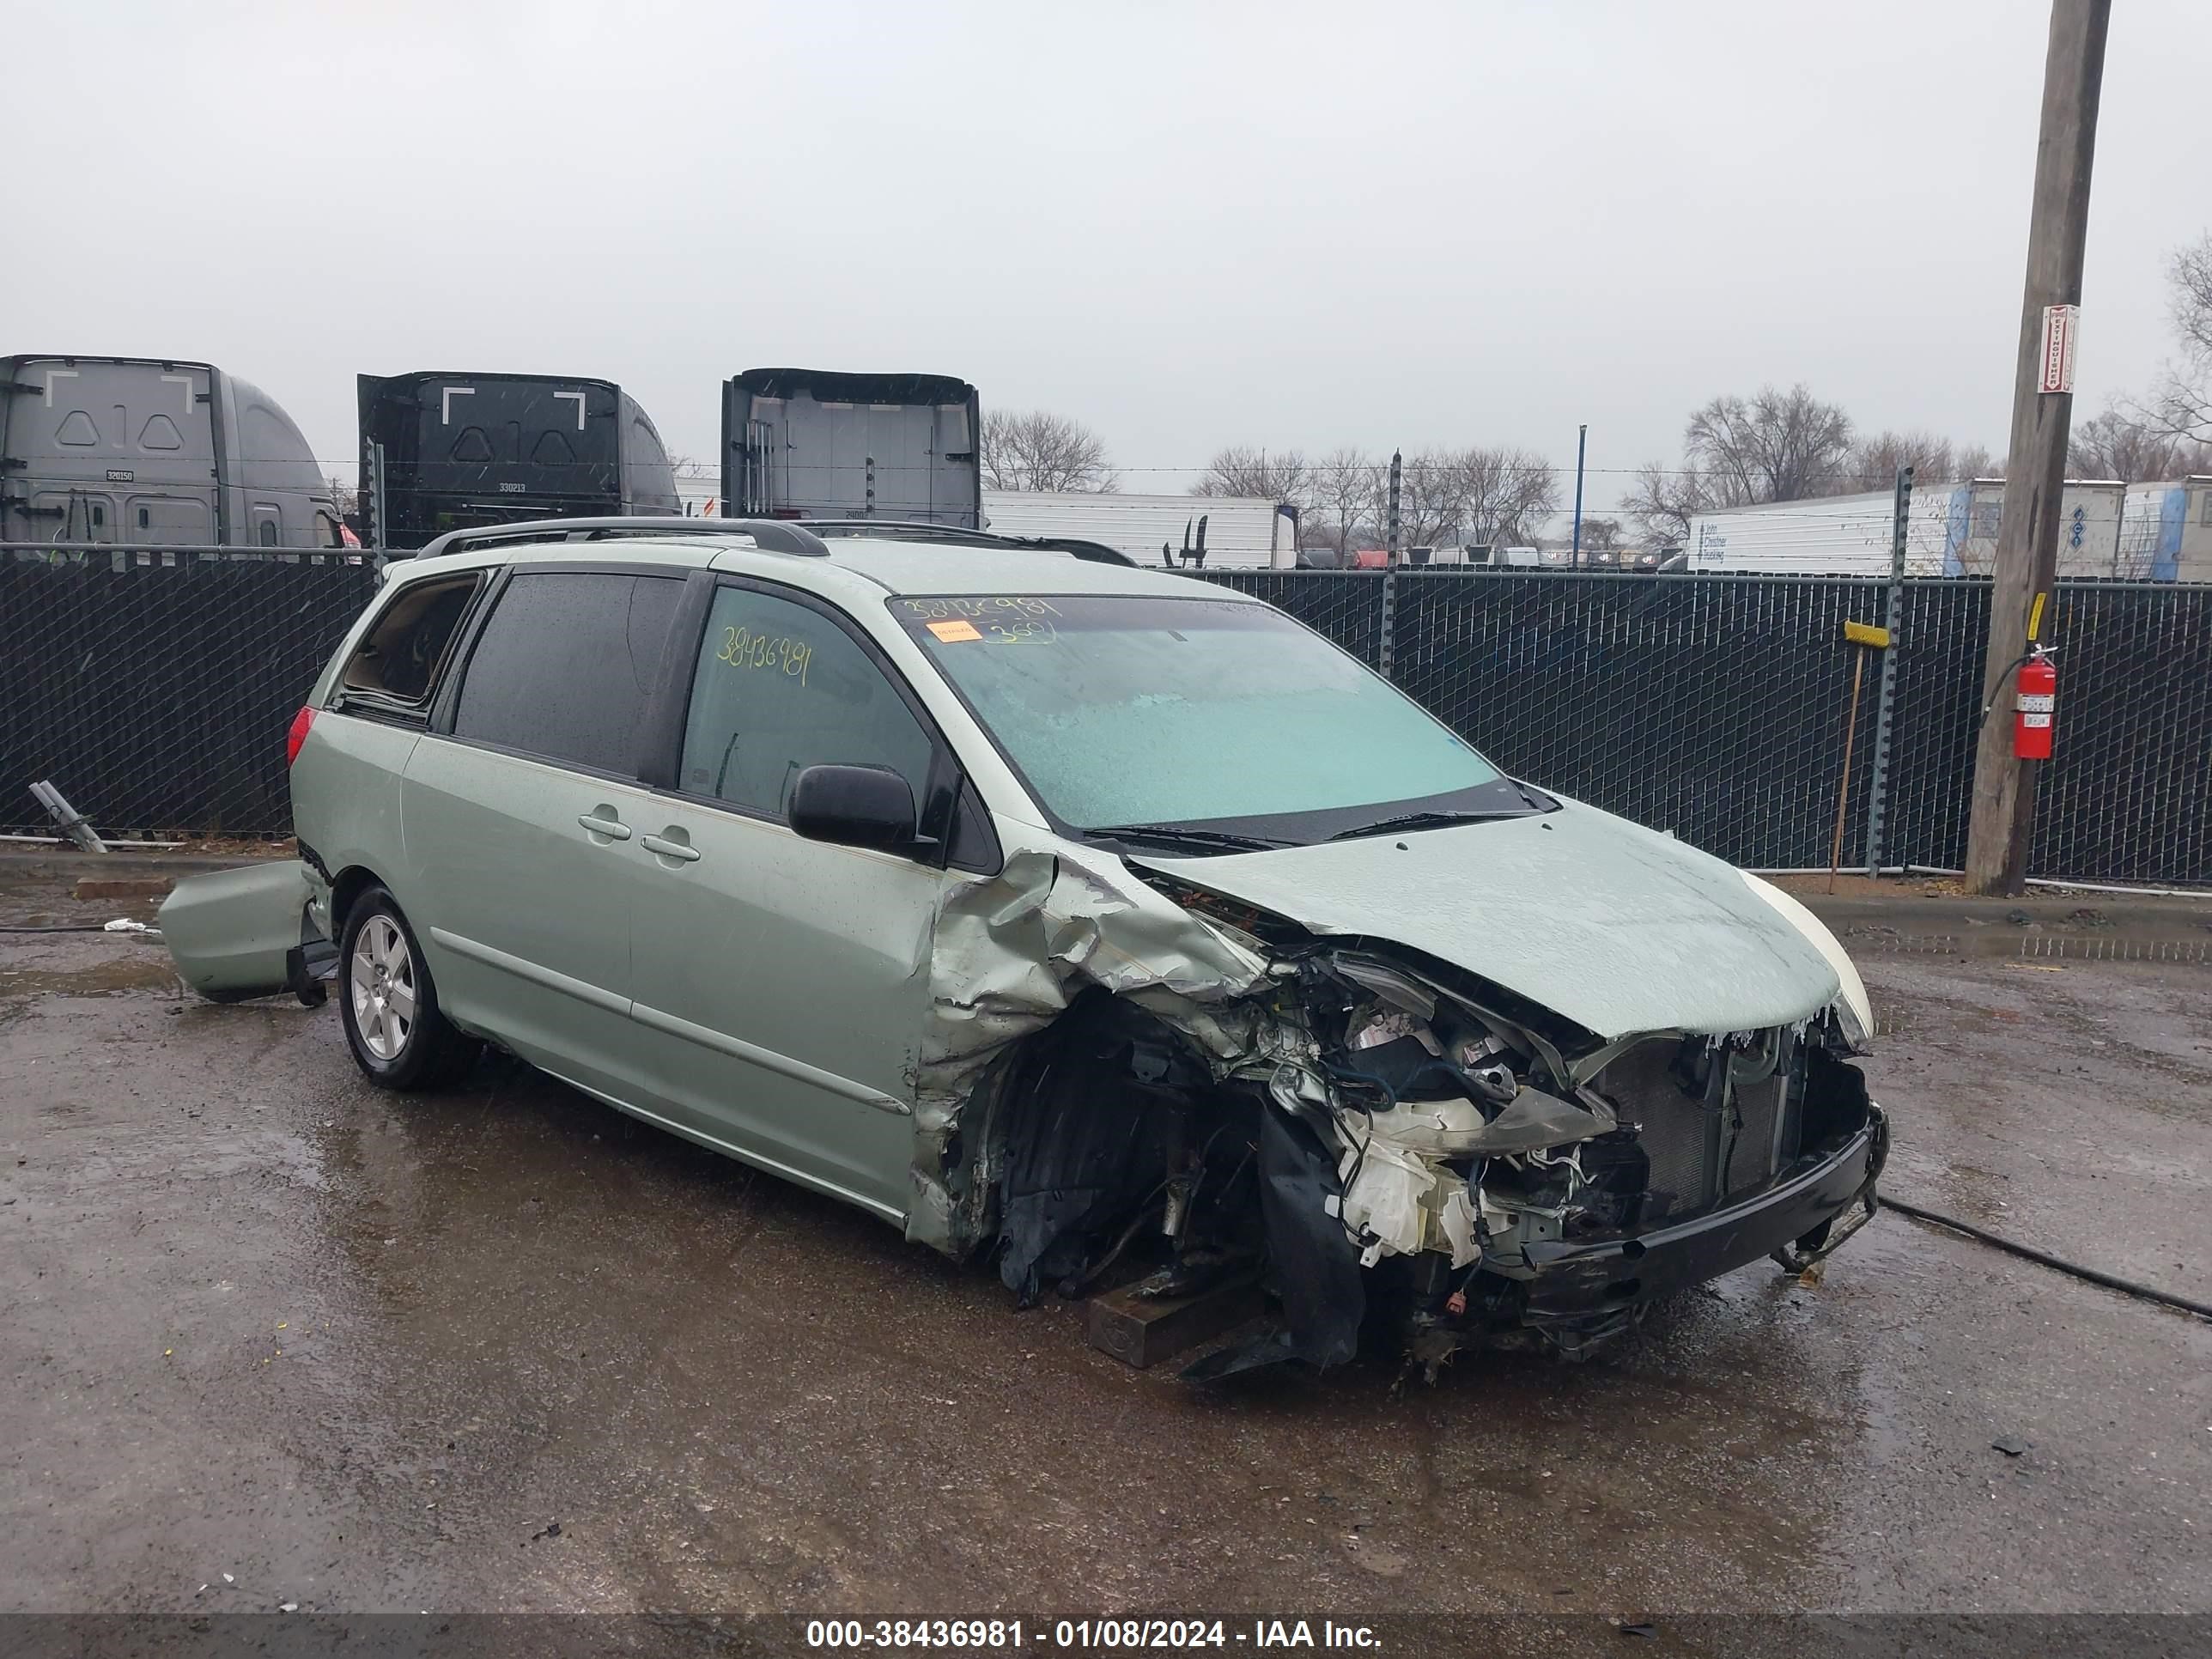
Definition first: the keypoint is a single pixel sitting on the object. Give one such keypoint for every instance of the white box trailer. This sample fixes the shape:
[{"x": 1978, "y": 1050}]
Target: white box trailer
[
  {"x": 2089, "y": 513},
  {"x": 1828, "y": 536},
  {"x": 1241, "y": 532},
  {"x": 1951, "y": 530},
  {"x": 2165, "y": 530}
]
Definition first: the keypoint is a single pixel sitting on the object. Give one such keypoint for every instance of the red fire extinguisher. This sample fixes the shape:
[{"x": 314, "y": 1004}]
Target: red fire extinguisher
[{"x": 2036, "y": 692}]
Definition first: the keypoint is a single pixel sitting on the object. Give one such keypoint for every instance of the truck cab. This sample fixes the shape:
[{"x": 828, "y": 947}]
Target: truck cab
[
  {"x": 806, "y": 443},
  {"x": 446, "y": 451},
  {"x": 147, "y": 452}
]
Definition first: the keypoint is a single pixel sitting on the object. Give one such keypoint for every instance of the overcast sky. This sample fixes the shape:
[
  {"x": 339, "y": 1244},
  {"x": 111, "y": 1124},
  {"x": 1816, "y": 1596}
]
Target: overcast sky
[{"x": 1187, "y": 225}]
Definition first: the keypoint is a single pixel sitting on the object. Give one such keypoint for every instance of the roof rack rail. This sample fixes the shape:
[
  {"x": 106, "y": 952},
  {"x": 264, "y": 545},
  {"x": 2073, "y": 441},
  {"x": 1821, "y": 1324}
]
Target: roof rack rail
[
  {"x": 772, "y": 535},
  {"x": 922, "y": 530}
]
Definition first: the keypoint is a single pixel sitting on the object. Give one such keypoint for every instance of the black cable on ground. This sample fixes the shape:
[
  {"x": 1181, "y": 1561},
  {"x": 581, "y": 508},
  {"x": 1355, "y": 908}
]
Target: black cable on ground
[
  {"x": 2029, "y": 1253},
  {"x": 70, "y": 927}
]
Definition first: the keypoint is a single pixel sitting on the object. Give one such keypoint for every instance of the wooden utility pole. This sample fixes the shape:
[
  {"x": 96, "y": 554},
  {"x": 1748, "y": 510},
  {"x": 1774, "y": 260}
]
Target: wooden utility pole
[{"x": 2042, "y": 419}]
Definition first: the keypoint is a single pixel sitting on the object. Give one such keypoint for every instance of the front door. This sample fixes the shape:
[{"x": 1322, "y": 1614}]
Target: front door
[
  {"x": 523, "y": 823},
  {"x": 788, "y": 980}
]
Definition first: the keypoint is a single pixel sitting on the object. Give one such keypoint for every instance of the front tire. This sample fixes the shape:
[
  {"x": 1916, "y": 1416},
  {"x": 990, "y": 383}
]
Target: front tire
[{"x": 399, "y": 1036}]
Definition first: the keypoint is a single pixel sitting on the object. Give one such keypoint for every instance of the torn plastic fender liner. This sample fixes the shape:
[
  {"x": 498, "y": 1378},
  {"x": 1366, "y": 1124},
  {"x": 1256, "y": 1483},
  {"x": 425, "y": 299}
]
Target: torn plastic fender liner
[
  {"x": 1012, "y": 953},
  {"x": 1315, "y": 1266},
  {"x": 1071, "y": 1163}
]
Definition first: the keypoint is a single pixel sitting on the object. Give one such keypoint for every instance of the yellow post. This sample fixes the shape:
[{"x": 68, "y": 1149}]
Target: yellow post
[{"x": 1870, "y": 638}]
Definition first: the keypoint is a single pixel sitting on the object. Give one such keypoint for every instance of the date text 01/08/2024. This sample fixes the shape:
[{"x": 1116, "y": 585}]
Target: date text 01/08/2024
[{"x": 1006, "y": 1635}]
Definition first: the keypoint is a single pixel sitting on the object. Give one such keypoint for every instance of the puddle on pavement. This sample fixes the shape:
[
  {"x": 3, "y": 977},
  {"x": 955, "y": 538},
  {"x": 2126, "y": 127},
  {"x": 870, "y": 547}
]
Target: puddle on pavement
[{"x": 107, "y": 979}]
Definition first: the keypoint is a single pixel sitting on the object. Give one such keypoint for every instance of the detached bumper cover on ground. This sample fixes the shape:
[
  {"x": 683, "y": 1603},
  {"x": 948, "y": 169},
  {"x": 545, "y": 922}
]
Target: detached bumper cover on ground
[{"x": 247, "y": 933}]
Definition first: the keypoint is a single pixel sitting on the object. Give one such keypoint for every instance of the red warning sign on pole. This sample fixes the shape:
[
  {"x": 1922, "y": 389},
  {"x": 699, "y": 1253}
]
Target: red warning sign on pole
[{"x": 2061, "y": 324}]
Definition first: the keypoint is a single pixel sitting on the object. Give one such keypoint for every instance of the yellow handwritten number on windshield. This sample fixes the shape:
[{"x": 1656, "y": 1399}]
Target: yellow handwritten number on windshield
[{"x": 980, "y": 609}]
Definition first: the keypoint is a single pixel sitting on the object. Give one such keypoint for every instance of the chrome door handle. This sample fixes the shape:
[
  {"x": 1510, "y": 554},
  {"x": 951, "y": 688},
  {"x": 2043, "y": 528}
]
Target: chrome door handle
[
  {"x": 669, "y": 850},
  {"x": 612, "y": 828}
]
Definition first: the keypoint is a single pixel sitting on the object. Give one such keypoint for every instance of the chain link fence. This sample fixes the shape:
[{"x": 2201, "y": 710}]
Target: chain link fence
[
  {"x": 153, "y": 689},
  {"x": 2127, "y": 792},
  {"x": 1716, "y": 706},
  {"x": 1346, "y": 606}
]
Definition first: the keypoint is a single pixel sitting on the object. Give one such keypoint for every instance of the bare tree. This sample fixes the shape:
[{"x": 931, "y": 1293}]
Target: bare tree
[
  {"x": 1664, "y": 498},
  {"x": 1601, "y": 535},
  {"x": 1344, "y": 485},
  {"x": 1431, "y": 497},
  {"x": 2182, "y": 406},
  {"x": 1740, "y": 451},
  {"x": 1772, "y": 446},
  {"x": 1875, "y": 460},
  {"x": 1975, "y": 461},
  {"x": 1447, "y": 497},
  {"x": 1034, "y": 449},
  {"x": 2114, "y": 447},
  {"x": 1504, "y": 492},
  {"x": 1281, "y": 476}
]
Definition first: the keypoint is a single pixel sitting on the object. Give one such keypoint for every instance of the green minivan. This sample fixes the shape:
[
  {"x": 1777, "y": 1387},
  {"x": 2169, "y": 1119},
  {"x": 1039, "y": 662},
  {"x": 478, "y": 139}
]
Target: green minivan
[{"x": 1098, "y": 919}]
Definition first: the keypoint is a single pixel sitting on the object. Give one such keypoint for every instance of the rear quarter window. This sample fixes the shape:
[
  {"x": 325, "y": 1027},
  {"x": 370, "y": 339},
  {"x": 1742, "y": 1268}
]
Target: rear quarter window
[{"x": 407, "y": 646}]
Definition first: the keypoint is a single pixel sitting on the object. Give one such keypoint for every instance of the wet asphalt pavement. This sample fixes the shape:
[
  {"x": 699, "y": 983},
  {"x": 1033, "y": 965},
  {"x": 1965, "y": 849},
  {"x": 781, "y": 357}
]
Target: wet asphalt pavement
[{"x": 360, "y": 1351}]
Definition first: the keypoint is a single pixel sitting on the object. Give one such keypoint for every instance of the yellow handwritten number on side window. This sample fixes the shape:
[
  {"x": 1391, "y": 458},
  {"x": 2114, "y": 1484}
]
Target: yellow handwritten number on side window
[{"x": 743, "y": 648}]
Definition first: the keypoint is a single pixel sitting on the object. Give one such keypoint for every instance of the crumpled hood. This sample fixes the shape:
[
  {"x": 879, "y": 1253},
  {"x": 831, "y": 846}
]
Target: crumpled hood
[{"x": 1618, "y": 928}]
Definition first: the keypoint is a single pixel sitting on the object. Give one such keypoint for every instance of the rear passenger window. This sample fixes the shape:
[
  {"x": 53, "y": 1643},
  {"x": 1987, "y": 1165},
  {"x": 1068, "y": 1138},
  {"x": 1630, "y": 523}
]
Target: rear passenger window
[
  {"x": 407, "y": 645},
  {"x": 565, "y": 665},
  {"x": 781, "y": 687}
]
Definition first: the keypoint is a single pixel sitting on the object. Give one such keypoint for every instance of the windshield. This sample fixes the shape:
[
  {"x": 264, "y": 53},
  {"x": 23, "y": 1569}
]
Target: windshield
[{"x": 1155, "y": 711}]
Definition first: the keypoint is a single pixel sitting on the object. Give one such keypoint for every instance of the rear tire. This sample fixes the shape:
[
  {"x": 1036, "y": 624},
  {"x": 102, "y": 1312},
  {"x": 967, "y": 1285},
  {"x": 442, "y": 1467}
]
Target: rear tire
[{"x": 400, "y": 1038}]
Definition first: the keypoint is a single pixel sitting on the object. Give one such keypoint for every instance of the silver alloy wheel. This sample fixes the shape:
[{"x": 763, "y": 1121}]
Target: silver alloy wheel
[{"x": 382, "y": 984}]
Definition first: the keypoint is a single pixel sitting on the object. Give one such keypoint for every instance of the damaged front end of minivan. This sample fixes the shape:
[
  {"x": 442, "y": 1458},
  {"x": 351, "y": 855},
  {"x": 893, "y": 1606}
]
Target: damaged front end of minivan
[{"x": 1126, "y": 1071}]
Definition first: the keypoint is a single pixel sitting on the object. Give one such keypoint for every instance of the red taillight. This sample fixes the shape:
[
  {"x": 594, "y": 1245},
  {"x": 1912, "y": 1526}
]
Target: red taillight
[{"x": 298, "y": 734}]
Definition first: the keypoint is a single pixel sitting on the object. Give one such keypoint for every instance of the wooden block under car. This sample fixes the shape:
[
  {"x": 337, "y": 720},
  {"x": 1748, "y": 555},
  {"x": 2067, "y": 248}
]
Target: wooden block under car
[{"x": 1141, "y": 1330}]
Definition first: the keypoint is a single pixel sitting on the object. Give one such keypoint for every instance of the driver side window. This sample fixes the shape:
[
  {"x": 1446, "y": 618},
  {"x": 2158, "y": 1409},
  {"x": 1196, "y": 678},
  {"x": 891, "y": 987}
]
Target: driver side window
[{"x": 779, "y": 687}]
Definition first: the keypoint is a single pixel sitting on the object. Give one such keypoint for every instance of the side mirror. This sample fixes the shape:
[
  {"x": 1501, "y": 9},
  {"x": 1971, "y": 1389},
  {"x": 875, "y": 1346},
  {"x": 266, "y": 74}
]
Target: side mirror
[{"x": 854, "y": 806}]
